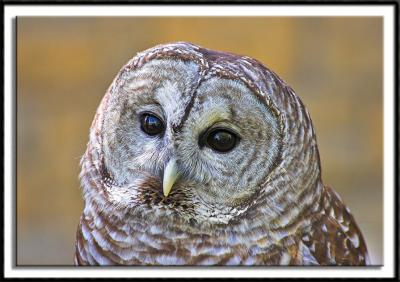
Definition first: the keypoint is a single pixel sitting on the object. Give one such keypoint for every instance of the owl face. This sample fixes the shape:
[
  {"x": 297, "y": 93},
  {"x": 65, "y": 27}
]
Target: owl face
[{"x": 196, "y": 145}]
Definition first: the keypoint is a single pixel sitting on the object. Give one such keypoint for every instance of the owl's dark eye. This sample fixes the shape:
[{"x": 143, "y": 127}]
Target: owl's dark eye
[
  {"x": 151, "y": 124},
  {"x": 221, "y": 140}
]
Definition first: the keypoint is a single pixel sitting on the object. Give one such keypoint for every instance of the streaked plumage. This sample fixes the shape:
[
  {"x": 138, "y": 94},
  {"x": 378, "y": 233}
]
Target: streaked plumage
[{"x": 261, "y": 203}]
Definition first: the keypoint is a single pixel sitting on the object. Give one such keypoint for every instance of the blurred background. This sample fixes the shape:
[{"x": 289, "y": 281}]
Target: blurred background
[{"x": 65, "y": 65}]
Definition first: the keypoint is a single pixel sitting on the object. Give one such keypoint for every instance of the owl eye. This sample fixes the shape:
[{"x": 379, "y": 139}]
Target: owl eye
[
  {"x": 221, "y": 140},
  {"x": 151, "y": 124}
]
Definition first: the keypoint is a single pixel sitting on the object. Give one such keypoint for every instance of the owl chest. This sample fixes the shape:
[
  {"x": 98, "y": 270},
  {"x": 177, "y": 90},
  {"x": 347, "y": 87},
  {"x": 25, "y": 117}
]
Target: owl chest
[{"x": 154, "y": 246}]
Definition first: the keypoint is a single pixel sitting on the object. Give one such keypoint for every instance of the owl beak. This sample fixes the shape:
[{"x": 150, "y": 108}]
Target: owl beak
[{"x": 171, "y": 174}]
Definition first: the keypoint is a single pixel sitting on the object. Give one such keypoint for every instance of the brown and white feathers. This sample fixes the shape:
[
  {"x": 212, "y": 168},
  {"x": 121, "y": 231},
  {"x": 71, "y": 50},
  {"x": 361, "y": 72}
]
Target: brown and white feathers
[{"x": 203, "y": 157}]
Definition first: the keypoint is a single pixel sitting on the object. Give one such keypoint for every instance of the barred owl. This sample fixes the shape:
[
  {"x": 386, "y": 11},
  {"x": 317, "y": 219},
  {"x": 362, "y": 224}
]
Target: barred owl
[{"x": 200, "y": 157}]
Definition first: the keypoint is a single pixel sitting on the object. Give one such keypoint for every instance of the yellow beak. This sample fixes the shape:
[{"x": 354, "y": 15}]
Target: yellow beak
[{"x": 171, "y": 174}]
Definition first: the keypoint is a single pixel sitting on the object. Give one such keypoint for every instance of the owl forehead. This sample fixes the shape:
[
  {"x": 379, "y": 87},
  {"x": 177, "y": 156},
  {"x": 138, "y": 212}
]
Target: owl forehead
[
  {"x": 168, "y": 84},
  {"x": 205, "y": 63},
  {"x": 176, "y": 85}
]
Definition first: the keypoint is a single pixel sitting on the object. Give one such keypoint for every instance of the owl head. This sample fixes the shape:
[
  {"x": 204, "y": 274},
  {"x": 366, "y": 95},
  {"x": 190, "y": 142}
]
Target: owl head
[{"x": 202, "y": 137}]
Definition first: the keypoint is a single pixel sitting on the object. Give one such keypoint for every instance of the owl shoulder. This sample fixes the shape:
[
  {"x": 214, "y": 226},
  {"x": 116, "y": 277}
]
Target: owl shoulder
[
  {"x": 333, "y": 237},
  {"x": 80, "y": 257}
]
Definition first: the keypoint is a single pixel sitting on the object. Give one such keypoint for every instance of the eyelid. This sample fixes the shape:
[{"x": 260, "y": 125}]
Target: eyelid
[
  {"x": 224, "y": 125},
  {"x": 143, "y": 113},
  {"x": 153, "y": 109}
]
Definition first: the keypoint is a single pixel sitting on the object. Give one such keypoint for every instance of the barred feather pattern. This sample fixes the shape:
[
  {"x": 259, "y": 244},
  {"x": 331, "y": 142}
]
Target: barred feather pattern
[{"x": 293, "y": 219}]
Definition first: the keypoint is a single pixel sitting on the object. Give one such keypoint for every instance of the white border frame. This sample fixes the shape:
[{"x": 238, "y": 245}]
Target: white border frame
[{"x": 386, "y": 11}]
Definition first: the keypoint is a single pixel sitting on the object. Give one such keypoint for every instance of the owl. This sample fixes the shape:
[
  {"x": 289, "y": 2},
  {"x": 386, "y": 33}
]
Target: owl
[{"x": 201, "y": 157}]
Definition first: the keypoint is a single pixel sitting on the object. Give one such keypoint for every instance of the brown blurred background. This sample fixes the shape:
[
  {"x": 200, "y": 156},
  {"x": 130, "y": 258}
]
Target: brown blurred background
[{"x": 65, "y": 64}]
